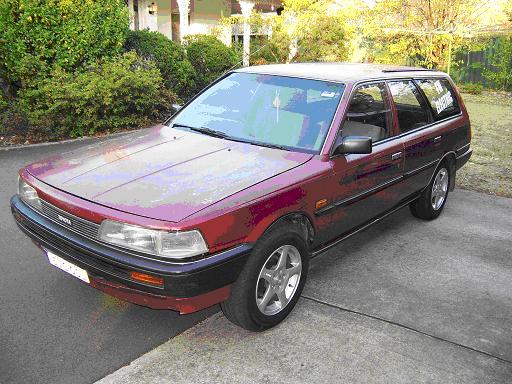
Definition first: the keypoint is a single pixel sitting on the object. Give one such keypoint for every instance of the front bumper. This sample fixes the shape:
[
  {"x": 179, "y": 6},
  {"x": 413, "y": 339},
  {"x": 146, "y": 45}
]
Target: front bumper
[{"x": 188, "y": 287}]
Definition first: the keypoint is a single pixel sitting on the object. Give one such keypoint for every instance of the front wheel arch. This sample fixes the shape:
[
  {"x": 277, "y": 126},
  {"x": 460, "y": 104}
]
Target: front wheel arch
[
  {"x": 298, "y": 220},
  {"x": 241, "y": 306}
]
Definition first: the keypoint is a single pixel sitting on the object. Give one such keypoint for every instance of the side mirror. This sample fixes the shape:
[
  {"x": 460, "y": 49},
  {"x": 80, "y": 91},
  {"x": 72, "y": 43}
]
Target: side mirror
[{"x": 354, "y": 144}]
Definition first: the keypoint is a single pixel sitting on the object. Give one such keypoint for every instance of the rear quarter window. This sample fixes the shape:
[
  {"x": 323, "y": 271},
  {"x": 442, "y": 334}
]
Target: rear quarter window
[{"x": 440, "y": 96}]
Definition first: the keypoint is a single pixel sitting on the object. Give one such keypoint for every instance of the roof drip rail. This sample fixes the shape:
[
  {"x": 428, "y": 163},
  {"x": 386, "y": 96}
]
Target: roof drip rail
[{"x": 410, "y": 70}]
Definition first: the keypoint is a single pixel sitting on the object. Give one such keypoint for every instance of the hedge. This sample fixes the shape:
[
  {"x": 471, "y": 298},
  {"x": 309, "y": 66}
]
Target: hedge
[
  {"x": 38, "y": 36},
  {"x": 126, "y": 91}
]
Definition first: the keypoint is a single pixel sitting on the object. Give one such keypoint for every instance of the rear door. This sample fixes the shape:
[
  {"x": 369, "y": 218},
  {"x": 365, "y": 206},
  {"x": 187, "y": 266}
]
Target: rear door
[
  {"x": 424, "y": 109},
  {"x": 421, "y": 147}
]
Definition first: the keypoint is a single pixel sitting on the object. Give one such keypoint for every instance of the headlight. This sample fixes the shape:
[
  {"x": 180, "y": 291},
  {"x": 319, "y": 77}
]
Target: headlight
[
  {"x": 172, "y": 245},
  {"x": 28, "y": 194}
]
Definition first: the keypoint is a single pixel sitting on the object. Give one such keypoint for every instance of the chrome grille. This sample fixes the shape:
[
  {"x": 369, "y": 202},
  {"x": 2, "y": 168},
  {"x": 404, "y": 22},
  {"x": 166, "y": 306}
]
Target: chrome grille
[{"x": 67, "y": 220}]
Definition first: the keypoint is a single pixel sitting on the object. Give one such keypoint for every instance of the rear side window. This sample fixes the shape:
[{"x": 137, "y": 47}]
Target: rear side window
[
  {"x": 368, "y": 113},
  {"x": 441, "y": 97},
  {"x": 411, "y": 108}
]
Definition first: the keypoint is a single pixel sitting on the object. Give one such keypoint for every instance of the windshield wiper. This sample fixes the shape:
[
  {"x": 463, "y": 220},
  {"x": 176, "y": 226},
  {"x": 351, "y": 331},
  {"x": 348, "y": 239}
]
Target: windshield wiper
[
  {"x": 205, "y": 130},
  {"x": 223, "y": 135},
  {"x": 268, "y": 145},
  {"x": 210, "y": 132},
  {"x": 181, "y": 126}
]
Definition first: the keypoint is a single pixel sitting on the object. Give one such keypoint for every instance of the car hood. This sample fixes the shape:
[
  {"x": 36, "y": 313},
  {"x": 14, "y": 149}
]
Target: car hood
[{"x": 163, "y": 173}]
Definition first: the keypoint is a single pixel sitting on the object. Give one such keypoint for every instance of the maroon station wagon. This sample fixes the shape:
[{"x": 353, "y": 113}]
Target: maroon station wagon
[{"x": 228, "y": 200}]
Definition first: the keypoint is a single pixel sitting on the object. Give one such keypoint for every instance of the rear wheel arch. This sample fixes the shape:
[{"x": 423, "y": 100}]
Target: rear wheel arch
[
  {"x": 432, "y": 199},
  {"x": 448, "y": 159}
]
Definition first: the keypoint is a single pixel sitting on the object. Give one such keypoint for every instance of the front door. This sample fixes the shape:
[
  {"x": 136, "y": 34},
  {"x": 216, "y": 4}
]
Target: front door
[{"x": 366, "y": 185}]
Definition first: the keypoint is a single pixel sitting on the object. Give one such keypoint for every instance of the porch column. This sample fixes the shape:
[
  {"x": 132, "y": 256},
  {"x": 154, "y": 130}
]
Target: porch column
[
  {"x": 131, "y": 15},
  {"x": 184, "y": 7},
  {"x": 246, "y": 7},
  {"x": 142, "y": 14}
]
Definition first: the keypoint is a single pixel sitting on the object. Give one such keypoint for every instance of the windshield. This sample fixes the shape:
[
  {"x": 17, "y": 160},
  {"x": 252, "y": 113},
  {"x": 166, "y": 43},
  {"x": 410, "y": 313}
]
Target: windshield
[{"x": 269, "y": 110}]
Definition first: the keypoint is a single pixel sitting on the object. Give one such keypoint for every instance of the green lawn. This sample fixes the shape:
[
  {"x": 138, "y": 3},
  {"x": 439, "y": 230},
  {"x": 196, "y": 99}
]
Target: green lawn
[{"x": 490, "y": 167}]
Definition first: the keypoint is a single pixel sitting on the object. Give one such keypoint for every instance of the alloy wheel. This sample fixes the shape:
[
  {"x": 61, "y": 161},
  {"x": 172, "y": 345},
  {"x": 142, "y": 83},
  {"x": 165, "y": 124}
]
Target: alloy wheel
[
  {"x": 439, "y": 189},
  {"x": 278, "y": 280}
]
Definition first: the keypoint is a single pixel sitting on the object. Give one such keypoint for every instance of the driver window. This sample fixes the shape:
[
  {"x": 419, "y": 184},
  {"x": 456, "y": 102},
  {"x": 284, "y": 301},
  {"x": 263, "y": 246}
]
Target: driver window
[{"x": 368, "y": 113}]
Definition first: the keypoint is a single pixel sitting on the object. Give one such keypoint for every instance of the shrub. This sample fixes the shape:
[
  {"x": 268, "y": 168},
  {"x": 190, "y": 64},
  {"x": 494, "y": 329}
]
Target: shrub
[
  {"x": 210, "y": 58},
  {"x": 12, "y": 120},
  {"x": 471, "y": 88},
  {"x": 169, "y": 57},
  {"x": 3, "y": 113},
  {"x": 36, "y": 36},
  {"x": 126, "y": 91},
  {"x": 3, "y": 102}
]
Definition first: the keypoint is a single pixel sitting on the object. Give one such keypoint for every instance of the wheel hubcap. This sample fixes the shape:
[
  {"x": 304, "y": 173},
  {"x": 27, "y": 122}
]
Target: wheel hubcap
[
  {"x": 278, "y": 280},
  {"x": 439, "y": 189}
]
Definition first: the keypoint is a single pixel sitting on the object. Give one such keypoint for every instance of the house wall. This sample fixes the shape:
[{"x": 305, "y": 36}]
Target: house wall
[
  {"x": 206, "y": 15},
  {"x": 145, "y": 19},
  {"x": 164, "y": 24}
]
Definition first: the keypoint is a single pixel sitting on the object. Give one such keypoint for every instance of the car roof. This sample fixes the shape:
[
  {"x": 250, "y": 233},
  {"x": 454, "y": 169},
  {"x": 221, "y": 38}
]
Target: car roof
[{"x": 341, "y": 72}]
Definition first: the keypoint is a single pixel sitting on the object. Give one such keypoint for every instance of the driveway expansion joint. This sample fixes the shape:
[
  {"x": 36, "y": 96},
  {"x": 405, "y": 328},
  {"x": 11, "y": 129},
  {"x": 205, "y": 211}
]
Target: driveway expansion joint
[{"x": 355, "y": 312}]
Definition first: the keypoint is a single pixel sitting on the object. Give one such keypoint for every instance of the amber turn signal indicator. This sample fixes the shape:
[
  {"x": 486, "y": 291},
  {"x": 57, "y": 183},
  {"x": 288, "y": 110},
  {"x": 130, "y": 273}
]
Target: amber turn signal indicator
[
  {"x": 321, "y": 203},
  {"x": 145, "y": 278}
]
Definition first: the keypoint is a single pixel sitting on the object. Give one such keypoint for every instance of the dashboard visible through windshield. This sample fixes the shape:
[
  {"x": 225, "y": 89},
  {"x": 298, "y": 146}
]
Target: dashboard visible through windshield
[{"x": 276, "y": 111}]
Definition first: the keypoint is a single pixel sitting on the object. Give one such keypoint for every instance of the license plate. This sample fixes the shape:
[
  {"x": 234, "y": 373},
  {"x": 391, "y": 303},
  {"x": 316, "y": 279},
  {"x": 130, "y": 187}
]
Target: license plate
[{"x": 68, "y": 267}]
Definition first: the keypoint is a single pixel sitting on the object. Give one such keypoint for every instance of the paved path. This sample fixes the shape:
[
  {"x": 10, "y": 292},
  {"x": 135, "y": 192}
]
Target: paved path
[
  {"x": 406, "y": 301},
  {"x": 53, "y": 328}
]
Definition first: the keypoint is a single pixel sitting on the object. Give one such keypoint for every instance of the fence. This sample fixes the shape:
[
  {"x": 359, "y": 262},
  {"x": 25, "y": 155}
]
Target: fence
[{"x": 471, "y": 65}]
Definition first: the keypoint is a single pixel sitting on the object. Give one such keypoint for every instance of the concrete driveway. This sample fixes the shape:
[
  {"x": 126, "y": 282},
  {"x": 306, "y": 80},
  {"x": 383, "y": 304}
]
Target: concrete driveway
[{"x": 406, "y": 301}]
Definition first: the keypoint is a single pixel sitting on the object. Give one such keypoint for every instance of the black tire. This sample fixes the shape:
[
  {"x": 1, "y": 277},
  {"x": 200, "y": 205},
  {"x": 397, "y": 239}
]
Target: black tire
[
  {"x": 241, "y": 307},
  {"x": 423, "y": 208}
]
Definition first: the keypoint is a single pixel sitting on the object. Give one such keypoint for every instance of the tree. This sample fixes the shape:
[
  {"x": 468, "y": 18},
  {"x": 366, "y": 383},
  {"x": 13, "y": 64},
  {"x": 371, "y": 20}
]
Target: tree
[
  {"x": 424, "y": 32},
  {"x": 320, "y": 29}
]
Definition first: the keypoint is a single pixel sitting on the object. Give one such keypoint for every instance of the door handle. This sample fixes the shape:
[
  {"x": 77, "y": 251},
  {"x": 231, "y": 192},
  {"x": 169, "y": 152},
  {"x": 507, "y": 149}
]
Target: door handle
[
  {"x": 396, "y": 156},
  {"x": 437, "y": 139}
]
